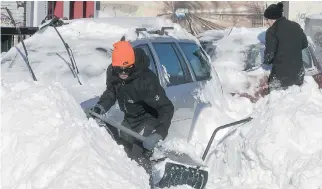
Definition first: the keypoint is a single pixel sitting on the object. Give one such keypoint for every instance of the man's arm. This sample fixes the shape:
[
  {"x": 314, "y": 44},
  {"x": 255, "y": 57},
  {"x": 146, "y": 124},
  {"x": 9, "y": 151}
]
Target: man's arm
[
  {"x": 270, "y": 47},
  {"x": 155, "y": 96},
  {"x": 108, "y": 98}
]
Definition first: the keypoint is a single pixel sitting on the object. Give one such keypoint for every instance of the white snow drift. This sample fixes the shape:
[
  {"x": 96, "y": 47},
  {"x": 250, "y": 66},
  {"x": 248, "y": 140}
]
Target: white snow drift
[
  {"x": 47, "y": 142},
  {"x": 281, "y": 148}
]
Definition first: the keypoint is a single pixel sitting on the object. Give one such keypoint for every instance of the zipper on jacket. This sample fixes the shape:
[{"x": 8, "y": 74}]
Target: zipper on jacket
[{"x": 123, "y": 83}]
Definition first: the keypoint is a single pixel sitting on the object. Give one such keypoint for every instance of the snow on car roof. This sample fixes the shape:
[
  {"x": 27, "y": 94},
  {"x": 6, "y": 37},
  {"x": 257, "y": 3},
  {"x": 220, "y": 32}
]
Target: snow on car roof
[{"x": 128, "y": 24}]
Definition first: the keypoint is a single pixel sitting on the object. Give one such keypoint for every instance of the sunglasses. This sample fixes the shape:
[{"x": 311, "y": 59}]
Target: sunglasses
[{"x": 124, "y": 70}]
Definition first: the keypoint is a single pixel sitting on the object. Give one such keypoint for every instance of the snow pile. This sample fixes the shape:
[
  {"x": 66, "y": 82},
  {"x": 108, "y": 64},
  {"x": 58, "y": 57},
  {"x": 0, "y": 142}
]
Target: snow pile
[
  {"x": 280, "y": 148},
  {"x": 47, "y": 142}
]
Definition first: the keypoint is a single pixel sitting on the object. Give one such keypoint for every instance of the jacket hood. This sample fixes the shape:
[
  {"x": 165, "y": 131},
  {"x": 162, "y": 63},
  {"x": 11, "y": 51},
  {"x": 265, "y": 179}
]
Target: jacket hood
[{"x": 142, "y": 61}]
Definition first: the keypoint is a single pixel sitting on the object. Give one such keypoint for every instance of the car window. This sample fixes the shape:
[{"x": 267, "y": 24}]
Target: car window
[
  {"x": 307, "y": 60},
  {"x": 147, "y": 51},
  {"x": 252, "y": 55},
  {"x": 197, "y": 60},
  {"x": 170, "y": 63}
]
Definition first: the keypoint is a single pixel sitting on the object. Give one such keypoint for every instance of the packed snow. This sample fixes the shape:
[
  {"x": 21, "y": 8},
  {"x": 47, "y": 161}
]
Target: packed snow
[{"x": 47, "y": 141}]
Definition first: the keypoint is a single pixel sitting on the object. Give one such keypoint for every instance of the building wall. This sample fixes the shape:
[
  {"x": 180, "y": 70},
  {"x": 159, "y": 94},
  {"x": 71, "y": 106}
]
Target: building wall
[
  {"x": 213, "y": 14},
  {"x": 17, "y": 9},
  {"x": 298, "y": 10}
]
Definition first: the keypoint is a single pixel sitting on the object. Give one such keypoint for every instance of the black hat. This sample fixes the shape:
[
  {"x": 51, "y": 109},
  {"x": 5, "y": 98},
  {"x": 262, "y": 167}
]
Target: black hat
[{"x": 274, "y": 11}]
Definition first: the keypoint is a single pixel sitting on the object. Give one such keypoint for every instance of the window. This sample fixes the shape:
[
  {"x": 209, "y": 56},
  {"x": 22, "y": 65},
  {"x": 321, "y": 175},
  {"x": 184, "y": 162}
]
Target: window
[
  {"x": 306, "y": 57},
  {"x": 170, "y": 62},
  {"x": 148, "y": 52},
  {"x": 197, "y": 60}
]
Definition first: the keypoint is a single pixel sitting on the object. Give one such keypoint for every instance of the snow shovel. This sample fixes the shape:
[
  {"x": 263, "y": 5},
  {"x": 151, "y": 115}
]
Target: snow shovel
[
  {"x": 177, "y": 174},
  {"x": 172, "y": 155}
]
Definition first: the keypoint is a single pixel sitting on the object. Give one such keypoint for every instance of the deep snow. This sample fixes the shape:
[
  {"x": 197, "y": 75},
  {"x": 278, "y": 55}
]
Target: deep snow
[
  {"x": 47, "y": 142},
  {"x": 280, "y": 148}
]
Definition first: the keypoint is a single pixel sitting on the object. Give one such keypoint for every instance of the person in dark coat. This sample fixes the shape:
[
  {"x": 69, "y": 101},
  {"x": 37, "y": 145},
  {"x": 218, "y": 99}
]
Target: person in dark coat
[
  {"x": 285, "y": 41},
  {"x": 146, "y": 107}
]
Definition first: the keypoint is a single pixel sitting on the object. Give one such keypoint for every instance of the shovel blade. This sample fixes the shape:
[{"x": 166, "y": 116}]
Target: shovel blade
[
  {"x": 182, "y": 158},
  {"x": 175, "y": 174}
]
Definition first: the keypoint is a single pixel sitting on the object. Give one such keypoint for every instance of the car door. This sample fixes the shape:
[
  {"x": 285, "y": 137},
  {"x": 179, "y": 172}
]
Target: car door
[
  {"x": 199, "y": 64},
  {"x": 177, "y": 82}
]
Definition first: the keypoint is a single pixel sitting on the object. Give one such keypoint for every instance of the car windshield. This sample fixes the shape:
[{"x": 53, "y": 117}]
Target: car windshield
[{"x": 307, "y": 60}]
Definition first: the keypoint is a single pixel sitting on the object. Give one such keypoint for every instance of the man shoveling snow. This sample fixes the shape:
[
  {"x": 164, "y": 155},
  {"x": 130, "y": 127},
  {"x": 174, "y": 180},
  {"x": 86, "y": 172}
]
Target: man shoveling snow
[{"x": 140, "y": 96}]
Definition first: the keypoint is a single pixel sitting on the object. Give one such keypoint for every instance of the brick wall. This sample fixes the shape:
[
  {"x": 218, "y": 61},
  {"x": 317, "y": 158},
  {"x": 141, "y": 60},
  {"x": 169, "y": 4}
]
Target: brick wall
[{"x": 17, "y": 9}]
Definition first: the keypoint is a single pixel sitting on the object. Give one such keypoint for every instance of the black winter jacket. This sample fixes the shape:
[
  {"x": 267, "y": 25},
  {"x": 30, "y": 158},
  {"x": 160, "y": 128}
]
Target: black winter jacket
[
  {"x": 138, "y": 95},
  {"x": 285, "y": 41}
]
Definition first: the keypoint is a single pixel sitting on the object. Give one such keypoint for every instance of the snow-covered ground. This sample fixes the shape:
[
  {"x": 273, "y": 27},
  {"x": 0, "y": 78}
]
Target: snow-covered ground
[{"x": 47, "y": 141}]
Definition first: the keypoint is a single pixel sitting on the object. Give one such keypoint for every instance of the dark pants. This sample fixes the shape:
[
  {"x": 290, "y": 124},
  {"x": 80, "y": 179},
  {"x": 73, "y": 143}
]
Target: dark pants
[
  {"x": 134, "y": 147},
  {"x": 145, "y": 127}
]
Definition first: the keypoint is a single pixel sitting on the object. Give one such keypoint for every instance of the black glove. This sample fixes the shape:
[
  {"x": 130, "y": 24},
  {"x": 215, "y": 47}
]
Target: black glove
[
  {"x": 150, "y": 141},
  {"x": 99, "y": 109}
]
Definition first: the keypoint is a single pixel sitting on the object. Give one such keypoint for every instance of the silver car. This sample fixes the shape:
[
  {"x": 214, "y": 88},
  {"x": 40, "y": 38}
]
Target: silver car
[{"x": 182, "y": 66}]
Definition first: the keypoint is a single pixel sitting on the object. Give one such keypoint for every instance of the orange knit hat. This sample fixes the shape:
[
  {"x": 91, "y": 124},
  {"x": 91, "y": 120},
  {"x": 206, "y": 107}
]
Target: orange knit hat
[{"x": 123, "y": 54}]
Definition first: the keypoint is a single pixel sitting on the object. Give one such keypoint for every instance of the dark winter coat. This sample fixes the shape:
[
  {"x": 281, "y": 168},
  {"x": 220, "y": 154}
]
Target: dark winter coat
[
  {"x": 285, "y": 41},
  {"x": 140, "y": 94}
]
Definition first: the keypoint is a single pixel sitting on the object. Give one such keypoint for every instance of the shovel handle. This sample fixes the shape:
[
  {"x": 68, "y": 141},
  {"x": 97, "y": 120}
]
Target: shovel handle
[
  {"x": 222, "y": 127},
  {"x": 119, "y": 126}
]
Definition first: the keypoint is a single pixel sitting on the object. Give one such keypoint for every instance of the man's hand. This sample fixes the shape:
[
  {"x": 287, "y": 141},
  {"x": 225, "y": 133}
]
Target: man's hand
[
  {"x": 150, "y": 141},
  {"x": 99, "y": 109}
]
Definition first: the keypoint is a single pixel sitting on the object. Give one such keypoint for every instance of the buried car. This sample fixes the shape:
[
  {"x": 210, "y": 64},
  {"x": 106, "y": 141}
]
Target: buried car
[
  {"x": 251, "y": 63},
  {"x": 181, "y": 66},
  {"x": 312, "y": 66}
]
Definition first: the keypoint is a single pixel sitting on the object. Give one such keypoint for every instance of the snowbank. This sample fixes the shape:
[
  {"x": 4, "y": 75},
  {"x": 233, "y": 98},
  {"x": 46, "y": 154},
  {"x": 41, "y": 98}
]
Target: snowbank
[
  {"x": 47, "y": 142},
  {"x": 279, "y": 149}
]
